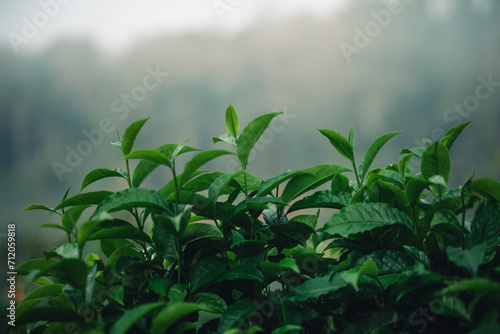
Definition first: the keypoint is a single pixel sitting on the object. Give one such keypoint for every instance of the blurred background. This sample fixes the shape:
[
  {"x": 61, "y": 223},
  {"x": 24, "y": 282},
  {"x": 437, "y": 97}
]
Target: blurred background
[{"x": 73, "y": 73}]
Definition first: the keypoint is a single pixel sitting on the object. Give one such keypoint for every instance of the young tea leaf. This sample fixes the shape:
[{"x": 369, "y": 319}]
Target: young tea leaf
[
  {"x": 232, "y": 122},
  {"x": 338, "y": 141},
  {"x": 372, "y": 152},
  {"x": 130, "y": 134},
  {"x": 251, "y": 134}
]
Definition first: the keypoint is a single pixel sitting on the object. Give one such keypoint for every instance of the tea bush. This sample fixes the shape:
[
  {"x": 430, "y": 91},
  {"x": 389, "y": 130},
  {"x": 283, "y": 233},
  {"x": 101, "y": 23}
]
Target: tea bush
[{"x": 218, "y": 252}]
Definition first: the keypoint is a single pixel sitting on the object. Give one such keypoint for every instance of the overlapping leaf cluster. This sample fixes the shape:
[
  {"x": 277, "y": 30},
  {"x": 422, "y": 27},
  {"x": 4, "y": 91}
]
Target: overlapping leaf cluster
[{"x": 228, "y": 252}]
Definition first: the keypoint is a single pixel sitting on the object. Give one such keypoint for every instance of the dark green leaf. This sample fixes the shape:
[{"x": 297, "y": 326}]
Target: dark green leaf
[
  {"x": 132, "y": 198},
  {"x": 487, "y": 186},
  {"x": 361, "y": 217},
  {"x": 468, "y": 259},
  {"x": 102, "y": 173},
  {"x": 87, "y": 227},
  {"x": 130, "y": 134},
  {"x": 173, "y": 312},
  {"x": 90, "y": 198},
  {"x": 236, "y": 314},
  {"x": 340, "y": 182},
  {"x": 372, "y": 152},
  {"x": 199, "y": 160},
  {"x": 151, "y": 155},
  {"x": 316, "y": 176},
  {"x": 199, "y": 231},
  {"x": 251, "y": 134},
  {"x": 318, "y": 286},
  {"x": 485, "y": 229},
  {"x": 268, "y": 185},
  {"x": 338, "y": 141},
  {"x": 244, "y": 271},
  {"x": 451, "y": 135},
  {"x": 211, "y": 300},
  {"x": 72, "y": 215},
  {"x": 221, "y": 182},
  {"x": 436, "y": 161},
  {"x": 118, "y": 229},
  {"x": 204, "y": 271},
  {"x": 323, "y": 199},
  {"x": 146, "y": 167},
  {"x": 130, "y": 317}
]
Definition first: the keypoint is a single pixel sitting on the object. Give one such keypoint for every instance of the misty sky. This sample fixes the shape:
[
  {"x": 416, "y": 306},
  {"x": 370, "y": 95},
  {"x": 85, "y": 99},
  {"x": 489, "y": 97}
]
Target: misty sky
[{"x": 113, "y": 24}]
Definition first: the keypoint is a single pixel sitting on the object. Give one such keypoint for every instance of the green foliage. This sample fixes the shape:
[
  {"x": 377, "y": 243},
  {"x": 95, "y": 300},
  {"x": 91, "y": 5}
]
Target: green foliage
[{"x": 221, "y": 252}]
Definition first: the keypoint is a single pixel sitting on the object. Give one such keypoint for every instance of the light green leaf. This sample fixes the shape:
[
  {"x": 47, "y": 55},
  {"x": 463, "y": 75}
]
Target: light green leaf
[
  {"x": 316, "y": 176},
  {"x": 251, "y": 134},
  {"x": 361, "y": 217},
  {"x": 130, "y": 134},
  {"x": 226, "y": 138},
  {"x": 179, "y": 148},
  {"x": 338, "y": 141},
  {"x": 130, "y": 317},
  {"x": 232, "y": 122},
  {"x": 102, "y": 173},
  {"x": 372, "y": 152}
]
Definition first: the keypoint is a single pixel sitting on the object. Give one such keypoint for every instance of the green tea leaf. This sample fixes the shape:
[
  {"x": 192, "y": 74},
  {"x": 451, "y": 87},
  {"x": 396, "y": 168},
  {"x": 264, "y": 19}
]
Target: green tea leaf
[
  {"x": 72, "y": 215},
  {"x": 372, "y": 152},
  {"x": 86, "y": 228},
  {"x": 173, "y": 312},
  {"x": 199, "y": 160},
  {"x": 204, "y": 271},
  {"x": 340, "y": 182},
  {"x": 316, "y": 176},
  {"x": 221, "y": 182},
  {"x": 151, "y": 155},
  {"x": 179, "y": 148},
  {"x": 226, "y": 138},
  {"x": 244, "y": 271},
  {"x": 102, "y": 173},
  {"x": 90, "y": 198},
  {"x": 130, "y": 134},
  {"x": 318, "y": 286},
  {"x": 435, "y": 161},
  {"x": 210, "y": 300},
  {"x": 130, "y": 317},
  {"x": 236, "y": 314},
  {"x": 132, "y": 198},
  {"x": 146, "y": 167},
  {"x": 251, "y": 134},
  {"x": 338, "y": 141},
  {"x": 199, "y": 231},
  {"x": 361, "y": 217},
  {"x": 469, "y": 259},
  {"x": 41, "y": 207},
  {"x": 451, "y": 135},
  {"x": 176, "y": 224},
  {"x": 485, "y": 229},
  {"x": 287, "y": 329},
  {"x": 487, "y": 186},
  {"x": 232, "y": 122},
  {"x": 323, "y": 199},
  {"x": 118, "y": 229},
  {"x": 268, "y": 185}
]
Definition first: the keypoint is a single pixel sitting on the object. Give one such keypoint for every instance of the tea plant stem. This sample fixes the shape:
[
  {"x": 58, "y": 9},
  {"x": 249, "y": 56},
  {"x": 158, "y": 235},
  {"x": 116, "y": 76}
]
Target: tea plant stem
[
  {"x": 179, "y": 259},
  {"x": 463, "y": 219},
  {"x": 134, "y": 210},
  {"x": 356, "y": 173},
  {"x": 246, "y": 187},
  {"x": 176, "y": 187}
]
